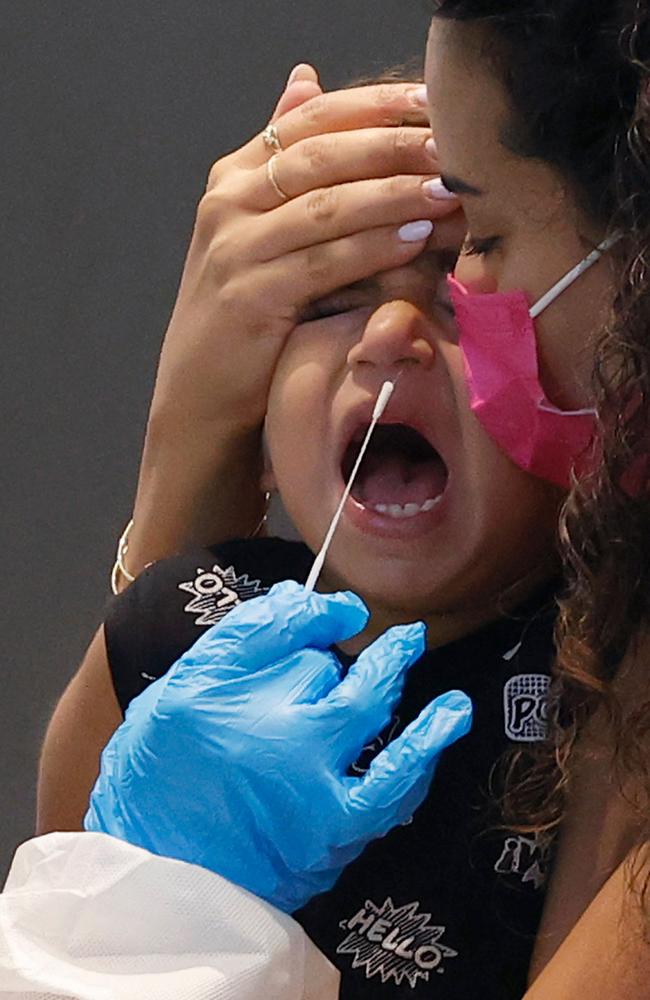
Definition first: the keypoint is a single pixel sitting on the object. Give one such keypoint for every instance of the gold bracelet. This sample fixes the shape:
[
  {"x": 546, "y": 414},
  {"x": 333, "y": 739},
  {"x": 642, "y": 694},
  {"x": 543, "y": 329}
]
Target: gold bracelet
[{"x": 119, "y": 566}]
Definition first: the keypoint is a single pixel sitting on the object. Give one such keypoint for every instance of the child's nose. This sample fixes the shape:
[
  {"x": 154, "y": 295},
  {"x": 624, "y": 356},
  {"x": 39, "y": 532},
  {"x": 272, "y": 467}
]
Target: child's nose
[{"x": 394, "y": 335}]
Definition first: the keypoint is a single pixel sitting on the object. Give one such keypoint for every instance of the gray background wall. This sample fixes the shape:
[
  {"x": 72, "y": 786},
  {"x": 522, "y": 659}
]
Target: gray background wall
[{"x": 112, "y": 112}]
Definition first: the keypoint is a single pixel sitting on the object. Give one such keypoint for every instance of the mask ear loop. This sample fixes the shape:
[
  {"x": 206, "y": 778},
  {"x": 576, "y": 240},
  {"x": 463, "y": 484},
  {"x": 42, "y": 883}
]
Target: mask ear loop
[
  {"x": 560, "y": 287},
  {"x": 572, "y": 276}
]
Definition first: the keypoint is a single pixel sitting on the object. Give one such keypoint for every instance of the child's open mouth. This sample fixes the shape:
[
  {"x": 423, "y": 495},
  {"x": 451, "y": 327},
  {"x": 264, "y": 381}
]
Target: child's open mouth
[{"x": 401, "y": 476}]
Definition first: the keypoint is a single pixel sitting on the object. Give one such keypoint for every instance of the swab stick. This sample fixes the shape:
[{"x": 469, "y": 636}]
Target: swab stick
[{"x": 385, "y": 393}]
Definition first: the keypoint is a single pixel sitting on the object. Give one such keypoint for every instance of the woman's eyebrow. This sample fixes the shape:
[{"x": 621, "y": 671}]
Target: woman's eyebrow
[{"x": 459, "y": 186}]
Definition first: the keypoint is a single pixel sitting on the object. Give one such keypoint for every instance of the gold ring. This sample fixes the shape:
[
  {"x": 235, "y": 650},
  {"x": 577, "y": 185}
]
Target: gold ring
[
  {"x": 271, "y": 173},
  {"x": 272, "y": 139}
]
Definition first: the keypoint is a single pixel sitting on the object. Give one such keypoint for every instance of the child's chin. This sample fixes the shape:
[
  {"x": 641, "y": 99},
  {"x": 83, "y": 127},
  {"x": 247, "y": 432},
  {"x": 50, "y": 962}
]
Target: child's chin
[{"x": 402, "y": 589}]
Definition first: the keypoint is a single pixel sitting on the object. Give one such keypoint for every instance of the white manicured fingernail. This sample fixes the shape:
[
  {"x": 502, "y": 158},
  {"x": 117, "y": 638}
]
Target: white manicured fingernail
[
  {"x": 436, "y": 189},
  {"x": 414, "y": 232},
  {"x": 431, "y": 149},
  {"x": 303, "y": 71},
  {"x": 419, "y": 96}
]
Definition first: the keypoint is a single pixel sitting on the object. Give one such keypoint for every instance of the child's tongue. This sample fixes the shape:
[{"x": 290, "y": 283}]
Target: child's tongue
[{"x": 394, "y": 478}]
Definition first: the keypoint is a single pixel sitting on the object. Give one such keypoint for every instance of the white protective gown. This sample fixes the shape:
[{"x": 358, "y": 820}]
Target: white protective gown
[{"x": 88, "y": 917}]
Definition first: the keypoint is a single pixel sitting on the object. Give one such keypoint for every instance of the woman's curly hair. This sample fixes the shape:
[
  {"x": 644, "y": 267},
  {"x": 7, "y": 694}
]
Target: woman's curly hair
[{"x": 578, "y": 76}]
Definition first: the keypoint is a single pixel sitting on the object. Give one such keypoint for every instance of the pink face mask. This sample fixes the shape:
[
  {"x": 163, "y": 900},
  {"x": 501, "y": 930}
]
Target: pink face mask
[{"x": 497, "y": 338}]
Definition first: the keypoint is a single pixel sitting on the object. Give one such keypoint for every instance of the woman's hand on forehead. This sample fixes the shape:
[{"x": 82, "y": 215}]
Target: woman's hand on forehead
[
  {"x": 332, "y": 197},
  {"x": 386, "y": 105},
  {"x": 341, "y": 201}
]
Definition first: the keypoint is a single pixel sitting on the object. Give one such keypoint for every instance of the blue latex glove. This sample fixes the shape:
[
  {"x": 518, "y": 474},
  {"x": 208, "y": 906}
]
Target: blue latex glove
[{"x": 237, "y": 759}]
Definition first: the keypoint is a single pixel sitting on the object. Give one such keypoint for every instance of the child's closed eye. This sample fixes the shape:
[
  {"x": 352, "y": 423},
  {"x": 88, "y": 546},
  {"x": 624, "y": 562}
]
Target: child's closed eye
[{"x": 346, "y": 301}]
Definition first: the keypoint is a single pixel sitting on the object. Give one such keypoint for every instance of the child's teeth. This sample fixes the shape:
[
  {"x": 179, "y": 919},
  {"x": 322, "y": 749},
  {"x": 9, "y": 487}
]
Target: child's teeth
[{"x": 400, "y": 511}]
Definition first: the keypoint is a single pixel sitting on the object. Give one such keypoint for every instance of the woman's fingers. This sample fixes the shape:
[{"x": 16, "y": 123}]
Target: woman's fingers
[
  {"x": 362, "y": 704},
  {"x": 259, "y": 632},
  {"x": 450, "y": 231},
  {"x": 304, "y": 71},
  {"x": 315, "y": 271},
  {"x": 328, "y": 160},
  {"x": 301, "y": 86},
  {"x": 304, "y": 677},
  {"x": 398, "y": 778},
  {"x": 331, "y": 213},
  {"x": 379, "y": 106},
  {"x": 296, "y": 94},
  {"x": 357, "y": 107}
]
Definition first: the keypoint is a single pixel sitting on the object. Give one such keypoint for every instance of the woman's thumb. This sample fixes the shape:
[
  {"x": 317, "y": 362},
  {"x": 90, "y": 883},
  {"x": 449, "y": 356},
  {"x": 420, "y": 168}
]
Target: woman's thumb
[
  {"x": 303, "y": 71},
  {"x": 301, "y": 86}
]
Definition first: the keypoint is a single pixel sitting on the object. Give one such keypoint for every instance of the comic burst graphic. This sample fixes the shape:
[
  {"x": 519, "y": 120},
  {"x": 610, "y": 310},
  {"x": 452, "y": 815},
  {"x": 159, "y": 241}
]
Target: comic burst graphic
[
  {"x": 217, "y": 591},
  {"x": 395, "y": 943}
]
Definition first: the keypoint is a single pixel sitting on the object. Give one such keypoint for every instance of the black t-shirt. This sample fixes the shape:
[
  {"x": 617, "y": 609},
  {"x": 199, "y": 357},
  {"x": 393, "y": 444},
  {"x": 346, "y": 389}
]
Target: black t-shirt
[{"x": 447, "y": 905}]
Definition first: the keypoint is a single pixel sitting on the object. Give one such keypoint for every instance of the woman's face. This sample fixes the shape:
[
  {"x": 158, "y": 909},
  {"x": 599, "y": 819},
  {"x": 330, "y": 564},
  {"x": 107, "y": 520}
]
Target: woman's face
[{"x": 522, "y": 214}]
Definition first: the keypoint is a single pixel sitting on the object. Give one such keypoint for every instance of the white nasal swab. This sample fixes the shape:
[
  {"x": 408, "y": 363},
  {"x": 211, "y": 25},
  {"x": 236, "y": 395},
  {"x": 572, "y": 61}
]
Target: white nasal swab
[{"x": 385, "y": 393}]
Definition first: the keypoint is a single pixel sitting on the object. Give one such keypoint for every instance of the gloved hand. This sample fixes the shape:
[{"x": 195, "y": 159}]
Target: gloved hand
[{"x": 237, "y": 759}]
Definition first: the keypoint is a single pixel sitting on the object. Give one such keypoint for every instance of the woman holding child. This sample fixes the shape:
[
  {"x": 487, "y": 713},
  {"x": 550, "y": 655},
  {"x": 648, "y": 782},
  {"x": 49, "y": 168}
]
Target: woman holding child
[{"x": 540, "y": 116}]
